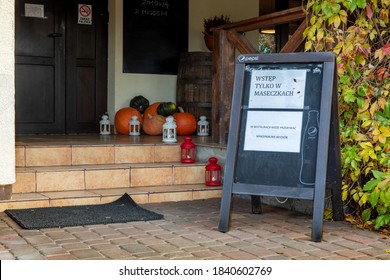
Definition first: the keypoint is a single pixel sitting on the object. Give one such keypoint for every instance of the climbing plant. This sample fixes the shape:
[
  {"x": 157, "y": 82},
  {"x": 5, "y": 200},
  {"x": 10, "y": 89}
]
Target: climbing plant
[{"x": 358, "y": 32}]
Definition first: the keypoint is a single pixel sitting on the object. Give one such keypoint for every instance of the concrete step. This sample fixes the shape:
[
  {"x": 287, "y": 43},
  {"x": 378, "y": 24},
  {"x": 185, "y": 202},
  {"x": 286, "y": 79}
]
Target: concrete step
[
  {"x": 61, "y": 170},
  {"x": 63, "y": 154},
  {"x": 106, "y": 176},
  {"x": 141, "y": 195}
]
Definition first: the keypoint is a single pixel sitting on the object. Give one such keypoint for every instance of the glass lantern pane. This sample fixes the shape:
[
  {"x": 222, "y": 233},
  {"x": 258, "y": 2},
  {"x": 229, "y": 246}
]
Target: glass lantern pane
[{"x": 215, "y": 175}]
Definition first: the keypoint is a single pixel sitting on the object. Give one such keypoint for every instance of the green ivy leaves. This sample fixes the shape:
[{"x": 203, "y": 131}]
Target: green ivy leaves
[{"x": 357, "y": 32}]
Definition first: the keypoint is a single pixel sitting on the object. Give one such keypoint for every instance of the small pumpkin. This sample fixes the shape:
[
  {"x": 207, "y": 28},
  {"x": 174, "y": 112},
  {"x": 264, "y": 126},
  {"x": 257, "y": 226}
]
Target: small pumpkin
[
  {"x": 123, "y": 117},
  {"x": 151, "y": 110},
  {"x": 153, "y": 124},
  {"x": 166, "y": 109},
  {"x": 186, "y": 123},
  {"x": 140, "y": 103}
]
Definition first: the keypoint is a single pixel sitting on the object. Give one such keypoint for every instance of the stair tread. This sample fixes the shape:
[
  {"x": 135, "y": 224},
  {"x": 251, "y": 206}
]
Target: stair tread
[
  {"x": 105, "y": 166},
  {"x": 110, "y": 192},
  {"x": 140, "y": 195}
]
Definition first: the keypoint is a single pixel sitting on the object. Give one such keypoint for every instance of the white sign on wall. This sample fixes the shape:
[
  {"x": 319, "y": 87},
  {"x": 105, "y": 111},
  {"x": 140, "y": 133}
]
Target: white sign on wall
[
  {"x": 273, "y": 131},
  {"x": 282, "y": 89},
  {"x": 34, "y": 10},
  {"x": 85, "y": 14}
]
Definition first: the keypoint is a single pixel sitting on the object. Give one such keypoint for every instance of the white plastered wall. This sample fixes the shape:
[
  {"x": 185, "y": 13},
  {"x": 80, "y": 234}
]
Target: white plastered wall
[{"x": 7, "y": 94}]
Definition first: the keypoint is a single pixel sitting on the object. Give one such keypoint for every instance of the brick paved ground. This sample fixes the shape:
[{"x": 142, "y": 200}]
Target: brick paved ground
[{"x": 189, "y": 231}]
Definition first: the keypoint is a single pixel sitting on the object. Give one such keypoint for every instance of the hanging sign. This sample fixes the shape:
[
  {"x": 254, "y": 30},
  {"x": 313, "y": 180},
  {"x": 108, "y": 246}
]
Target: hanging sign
[
  {"x": 85, "y": 14},
  {"x": 284, "y": 133}
]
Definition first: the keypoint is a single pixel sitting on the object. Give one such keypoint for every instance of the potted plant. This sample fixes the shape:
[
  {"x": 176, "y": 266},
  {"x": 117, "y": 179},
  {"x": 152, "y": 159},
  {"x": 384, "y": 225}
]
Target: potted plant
[{"x": 209, "y": 24}]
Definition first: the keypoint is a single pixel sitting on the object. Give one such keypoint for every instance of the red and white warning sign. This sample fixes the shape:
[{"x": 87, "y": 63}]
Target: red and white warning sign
[{"x": 84, "y": 14}]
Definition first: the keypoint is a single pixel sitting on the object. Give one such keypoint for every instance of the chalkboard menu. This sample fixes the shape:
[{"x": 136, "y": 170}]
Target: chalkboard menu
[
  {"x": 155, "y": 32},
  {"x": 284, "y": 113}
]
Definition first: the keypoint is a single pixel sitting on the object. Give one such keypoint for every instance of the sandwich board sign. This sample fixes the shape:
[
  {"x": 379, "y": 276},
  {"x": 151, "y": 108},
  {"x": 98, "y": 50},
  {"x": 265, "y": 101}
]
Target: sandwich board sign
[{"x": 284, "y": 135}]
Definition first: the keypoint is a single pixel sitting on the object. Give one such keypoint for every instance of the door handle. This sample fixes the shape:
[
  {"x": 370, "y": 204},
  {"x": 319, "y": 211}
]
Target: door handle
[{"x": 54, "y": 35}]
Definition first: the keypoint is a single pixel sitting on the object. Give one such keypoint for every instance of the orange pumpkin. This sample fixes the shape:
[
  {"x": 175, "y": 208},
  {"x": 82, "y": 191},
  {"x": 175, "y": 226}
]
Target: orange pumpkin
[
  {"x": 153, "y": 124},
  {"x": 151, "y": 110},
  {"x": 186, "y": 123},
  {"x": 123, "y": 117}
]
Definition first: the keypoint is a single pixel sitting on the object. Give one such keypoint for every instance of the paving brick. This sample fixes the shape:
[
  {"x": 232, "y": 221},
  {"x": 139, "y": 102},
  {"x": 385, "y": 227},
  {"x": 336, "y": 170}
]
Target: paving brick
[
  {"x": 86, "y": 254},
  {"x": 359, "y": 239},
  {"x": 259, "y": 252},
  {"x": 289, "y": 252},
  {"x": 151, "y": 241},
  {"x": 132, "y": 231},
  {"x": 197, "y": 238},
  {"x": 239, "y": 255},
  {"x": 123, "y": 241},
  {"x": 6, "y": 256},
  {"x": 104, "y": 246},
  {"x": 75, "y": 246},
  {"x": 38, "y": 239},
  {"x": 87, "y": 235},
  {"x": 189, "y": 231},
  {"x": 62, "y": 257},
  {"x": 180, "y": 242},
  {"x": 164, "y": 248},
  {"x": 328, "y": 246},
  {"x": 30, "y": 256},
  {"x": 136, "y": 248},
  {"x": 205, "y": 253},
  {"x": 11, "y": 239},
  {"x": 51, "y": 250},
  {"x": 277, "y": 257},
  {"x": 105, "y": 231},
  {"x": 178, "y": 255},
  {"x": 383, "y": 257},
  {"x": 115, "y": 253},
  {"x": 223, "y": 248},
  {"x": 350, "y": 254},
  {"x": 238, "y": 244},
  {"x": 59, "y": 235}
]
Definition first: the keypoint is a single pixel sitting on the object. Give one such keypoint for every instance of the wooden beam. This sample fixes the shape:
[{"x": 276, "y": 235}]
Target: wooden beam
[
  {"x": 296, "y": 40},
  {"x": 223, "y": 78},
  {"x": 241, "y": 43},
  {"x": 281, "y": 17}
]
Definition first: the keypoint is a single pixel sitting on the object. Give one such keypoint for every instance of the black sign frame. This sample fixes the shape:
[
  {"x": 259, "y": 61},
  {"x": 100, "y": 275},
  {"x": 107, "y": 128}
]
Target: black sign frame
[{"x": 327, "y": 166}]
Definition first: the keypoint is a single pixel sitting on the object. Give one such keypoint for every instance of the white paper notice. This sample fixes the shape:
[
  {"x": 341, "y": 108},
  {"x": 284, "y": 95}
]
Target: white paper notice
[
  {"x": 277, "y": 89},
  {"x": 85, "y": 14},
  {"x": 273, "y": 131},
  {"x": 34, "y": 10}
]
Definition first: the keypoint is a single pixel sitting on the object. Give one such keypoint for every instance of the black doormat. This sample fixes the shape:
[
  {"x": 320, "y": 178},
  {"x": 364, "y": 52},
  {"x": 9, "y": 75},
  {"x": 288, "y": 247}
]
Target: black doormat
[{"x": 120, "y": 211}]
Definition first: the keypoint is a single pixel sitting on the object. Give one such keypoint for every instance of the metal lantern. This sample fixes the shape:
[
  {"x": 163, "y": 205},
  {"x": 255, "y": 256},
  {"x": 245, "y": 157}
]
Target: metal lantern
[
  {"x": 187, "y": 150},
  {"x": 213, "y": 173},
  {"x": 134, "y": 126},
  {"x": 203, "y": 126},
  {"x": 105, "y": 125},
  {"x": 169, "y": 130}
]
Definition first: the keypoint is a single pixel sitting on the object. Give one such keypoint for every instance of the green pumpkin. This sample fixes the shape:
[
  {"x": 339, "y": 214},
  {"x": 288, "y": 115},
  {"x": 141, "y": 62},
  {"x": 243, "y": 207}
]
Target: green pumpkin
[
  {"x": 140, "y": 103},
  {"x": 166, "y": 109}
]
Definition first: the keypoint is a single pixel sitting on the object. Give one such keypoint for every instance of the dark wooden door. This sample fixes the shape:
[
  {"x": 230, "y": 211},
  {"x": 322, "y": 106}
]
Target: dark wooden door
[
  {"x": 86, "y": 64},
  {"x": 39, "y": 66},
  {"x": 60, "y": 66}
]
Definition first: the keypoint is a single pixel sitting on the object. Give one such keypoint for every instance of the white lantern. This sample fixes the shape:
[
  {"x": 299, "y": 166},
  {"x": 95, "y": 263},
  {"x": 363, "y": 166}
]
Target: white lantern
[
  {"x": 203, "y": 126},
  {"x": 169, "y": 130},
  {"x": 134, "y": 126},
  {"x": 105, "y": 125}
]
